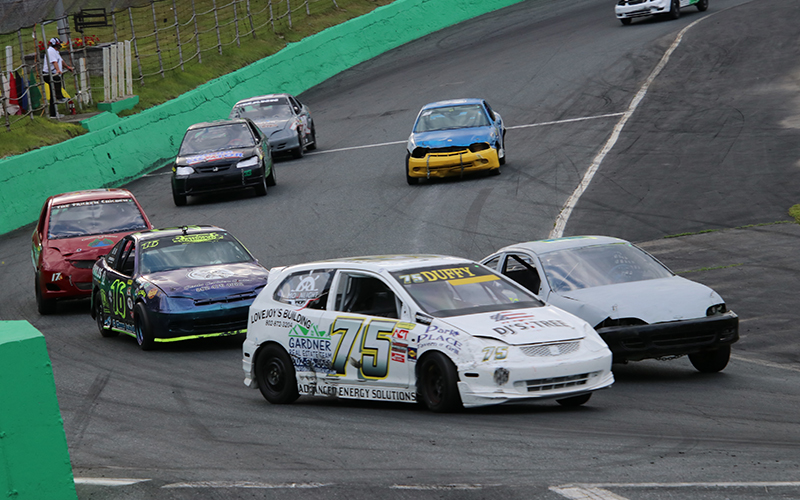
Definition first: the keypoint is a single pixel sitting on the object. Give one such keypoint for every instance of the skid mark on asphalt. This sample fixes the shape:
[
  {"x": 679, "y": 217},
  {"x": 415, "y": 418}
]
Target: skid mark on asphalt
[
  {"x": 566, "y": 210},
  {"x": 246, "y": 485},
  {"x": 765, "y": 363},
  {"x": 585, "y": 493},
  {"x": 597, "y": 491},
  {"x": 84, "y": 413}
]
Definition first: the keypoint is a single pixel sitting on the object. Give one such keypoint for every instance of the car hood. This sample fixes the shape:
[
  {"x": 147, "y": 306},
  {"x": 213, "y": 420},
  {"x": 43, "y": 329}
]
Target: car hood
[
  {"x": 208, "y": 282},
  {"x": 516, "y": 326},
  {"x": 269, "y": 127},
  {"x": 652, "y": 301},
  {"x": 86, "y": 247},
  {"x": 454, "y": 137},
  {"x": 223, "y": 156}
]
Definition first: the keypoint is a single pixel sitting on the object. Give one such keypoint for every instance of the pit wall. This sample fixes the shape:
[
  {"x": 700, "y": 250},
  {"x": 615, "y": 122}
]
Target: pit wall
[
  {"x": 127, "y": 148},
  {"x": 34, "y": 459}
]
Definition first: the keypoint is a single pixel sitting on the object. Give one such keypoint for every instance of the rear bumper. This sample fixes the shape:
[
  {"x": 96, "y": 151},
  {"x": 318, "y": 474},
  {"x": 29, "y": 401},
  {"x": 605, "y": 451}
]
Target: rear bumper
[
  {"x": 633, "y": 343},
  {"x": 451, "y": 164}
]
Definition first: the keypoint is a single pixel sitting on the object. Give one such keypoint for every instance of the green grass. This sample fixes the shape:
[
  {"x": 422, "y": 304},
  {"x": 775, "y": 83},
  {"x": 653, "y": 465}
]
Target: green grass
[
  {"x": 27, "y": 134},
  {"x": 795, "y": 212},
  {"x": 740, "y": 227}
]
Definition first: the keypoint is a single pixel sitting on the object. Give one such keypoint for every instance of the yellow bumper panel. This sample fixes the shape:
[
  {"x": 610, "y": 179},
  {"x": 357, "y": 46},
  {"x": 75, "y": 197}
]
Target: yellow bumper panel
[{"x": 453, "y": 163}]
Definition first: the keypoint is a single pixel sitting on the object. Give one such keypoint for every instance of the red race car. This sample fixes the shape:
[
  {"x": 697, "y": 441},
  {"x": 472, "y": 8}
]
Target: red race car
[{"x": 75, "y": 229}]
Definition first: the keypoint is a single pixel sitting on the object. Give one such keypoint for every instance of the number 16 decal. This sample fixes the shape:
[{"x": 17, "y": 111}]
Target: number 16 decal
[{"x": 376, "y": 346}]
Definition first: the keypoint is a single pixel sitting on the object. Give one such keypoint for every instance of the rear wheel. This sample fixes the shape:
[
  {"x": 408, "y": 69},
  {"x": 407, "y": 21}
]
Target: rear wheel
[
  {"x": 675, "y": 10},
  {"x": 298, "y": 151},
  {"x": 45, "y": 306},
  {"x": 574, "y": 400},
  {"x": 711, "y": 361},
  {"x": 702, "y": 5},
  {"x": 100, "y": 316},
  {"x": 143, "y": 328},
  {"x": 412, "y": 181},
  {"x": 437, "y": 383},
  {"x": 275, "y": 376}
]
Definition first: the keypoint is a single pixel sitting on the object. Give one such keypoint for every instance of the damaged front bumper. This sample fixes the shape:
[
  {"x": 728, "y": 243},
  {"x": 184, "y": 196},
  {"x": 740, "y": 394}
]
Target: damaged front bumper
[{"x": 452, "y": 163}]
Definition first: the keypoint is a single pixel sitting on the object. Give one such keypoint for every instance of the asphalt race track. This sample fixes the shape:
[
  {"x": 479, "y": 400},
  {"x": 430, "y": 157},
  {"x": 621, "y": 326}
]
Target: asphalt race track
[{"x": 714, "y": 144}]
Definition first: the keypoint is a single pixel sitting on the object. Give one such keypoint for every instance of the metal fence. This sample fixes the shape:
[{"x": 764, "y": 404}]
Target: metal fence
[{"x": 166, "y": 35}]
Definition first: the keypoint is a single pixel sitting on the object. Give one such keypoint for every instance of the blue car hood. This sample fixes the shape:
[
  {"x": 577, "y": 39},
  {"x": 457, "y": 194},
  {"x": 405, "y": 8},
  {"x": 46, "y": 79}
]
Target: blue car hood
[
  {"x": 453, "y": 137},
  {"x": 210, "y": 282}
]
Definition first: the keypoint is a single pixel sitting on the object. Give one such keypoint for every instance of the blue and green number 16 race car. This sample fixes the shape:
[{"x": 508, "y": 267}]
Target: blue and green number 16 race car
[{"x": 167, "y": 285}]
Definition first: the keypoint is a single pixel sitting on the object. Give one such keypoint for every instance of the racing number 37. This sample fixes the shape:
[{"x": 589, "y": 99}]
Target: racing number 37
[{"x": 376, "y": 345}]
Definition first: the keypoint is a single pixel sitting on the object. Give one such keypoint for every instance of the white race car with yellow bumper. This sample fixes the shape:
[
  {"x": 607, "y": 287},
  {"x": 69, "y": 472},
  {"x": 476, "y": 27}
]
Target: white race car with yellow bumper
[{"x": 443, "y": 330}]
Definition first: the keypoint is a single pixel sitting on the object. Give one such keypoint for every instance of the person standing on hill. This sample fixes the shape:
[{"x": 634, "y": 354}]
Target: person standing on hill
[{"x": 52, "y": 70}]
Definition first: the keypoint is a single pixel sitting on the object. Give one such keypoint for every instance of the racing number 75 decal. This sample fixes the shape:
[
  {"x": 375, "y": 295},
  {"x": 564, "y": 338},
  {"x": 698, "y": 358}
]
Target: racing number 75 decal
[{"x": 376, "y": 345}]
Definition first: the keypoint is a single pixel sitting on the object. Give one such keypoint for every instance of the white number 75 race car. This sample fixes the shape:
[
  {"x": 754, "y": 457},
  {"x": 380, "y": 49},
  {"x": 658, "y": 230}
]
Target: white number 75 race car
[{"x": 442, "y": 330}]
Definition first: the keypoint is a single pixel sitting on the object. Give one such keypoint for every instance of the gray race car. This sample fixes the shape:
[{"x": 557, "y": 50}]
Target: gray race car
[{"x": 285, "y": 121}]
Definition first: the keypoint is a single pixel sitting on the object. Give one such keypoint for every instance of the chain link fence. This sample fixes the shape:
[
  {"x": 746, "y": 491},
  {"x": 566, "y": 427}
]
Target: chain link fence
[{"x": 165, "y": 35}]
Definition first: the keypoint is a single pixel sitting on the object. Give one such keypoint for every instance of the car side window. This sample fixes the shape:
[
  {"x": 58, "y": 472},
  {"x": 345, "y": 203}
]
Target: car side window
[
  {"x": 111, "y": 258},
  {"x": 125, "y": 258},
  {"x": 520, "y": 268},
  {"x": 492, "y": 263},
  {"x": 307, "y": 289},
  {"x": 489, "y": 110},
  {"x": 295, "y": 104},
  {"x": 364, "y": 294}
]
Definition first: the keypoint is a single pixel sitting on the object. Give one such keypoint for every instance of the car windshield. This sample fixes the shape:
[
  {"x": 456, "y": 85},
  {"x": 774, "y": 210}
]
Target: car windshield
[
  {"x": 87, "y": 218},
  {"x": 190, "y": 250},
  {"x": 598, "y": 265},
  {"x": 452, "y": 117},
  {"x": 467, "y": 288},
  {"x": 268, "y": 109},
  {"x": 216, "y": 138}
]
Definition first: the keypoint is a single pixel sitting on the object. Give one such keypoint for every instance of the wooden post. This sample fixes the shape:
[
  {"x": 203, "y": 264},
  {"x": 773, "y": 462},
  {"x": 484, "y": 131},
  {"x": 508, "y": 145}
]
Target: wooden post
[
  {"x": 236, "y": 24},
  {"x": 250, "y": 17},
  {"x": 216, "y": 26},
  {"x": 155, "y": 33},
  {"x": 196, "y": 35},
  {"x": 177, "y": 34},
  {"x": 271, "y": 17},
  {"x": 289, "y": 13},
  {"x": 136, "y": 48}
]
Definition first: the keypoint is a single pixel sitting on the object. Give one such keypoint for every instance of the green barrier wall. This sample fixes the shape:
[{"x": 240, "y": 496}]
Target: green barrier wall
[
  {"x": 34, "y": 460},
  {"x": 132, "y": 146}
]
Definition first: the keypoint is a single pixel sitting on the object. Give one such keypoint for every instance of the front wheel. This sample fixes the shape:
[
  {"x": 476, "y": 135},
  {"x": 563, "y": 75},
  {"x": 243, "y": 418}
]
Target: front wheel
[
  {"x": 45, "y": 306},
  {"x": 275, "y": 376},
  {"x": 313, "y": 144},
  {"x": 143, "y": 328},
  {"x": 297, "y": 152},
  {"x": 412, "y": 181},
  {"x": 100, "y": 316},
  {"x": 675, "y": 10},
  {"x": 625, "y": 21},
  {"x": 261, "y": 187},
  {"x": 178, "y": 199},
  {"x": 702, "y": 5},
  {"x": 437, "y": 383},
  {"x": 271, "y": 181},
  {"x": 574, "y": 400},
  {"x": 711, "y": 361}
]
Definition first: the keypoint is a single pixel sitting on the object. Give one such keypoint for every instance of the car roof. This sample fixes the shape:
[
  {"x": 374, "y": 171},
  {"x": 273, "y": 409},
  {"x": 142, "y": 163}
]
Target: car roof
[
  {"x": 217, "y": 123},
  {"x": 389, "y": 263},
  {"x": 552, "y": 245},
  {"x": 451, "y": 102},
  {"x": 90, "y": 195},
  {"x": 261, "y": 98},
  {"x": 152, "y": 234}
]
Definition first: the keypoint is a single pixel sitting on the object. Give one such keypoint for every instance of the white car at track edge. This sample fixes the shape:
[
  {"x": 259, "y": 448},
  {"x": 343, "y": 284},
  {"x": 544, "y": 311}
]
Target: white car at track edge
[{"x": 442, "y": 330}]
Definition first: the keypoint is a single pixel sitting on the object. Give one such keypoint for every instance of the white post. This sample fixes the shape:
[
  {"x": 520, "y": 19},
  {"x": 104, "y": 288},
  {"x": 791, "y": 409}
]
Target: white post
[
  {"x": 106, "y": 74},
  {"x": 121, "y": 69},
  {"x": 9, "y": 59},
  {"x": 128, "y": 69},
  {"x": 113, "y": 68},
  {"x": 84, "y": 80}
]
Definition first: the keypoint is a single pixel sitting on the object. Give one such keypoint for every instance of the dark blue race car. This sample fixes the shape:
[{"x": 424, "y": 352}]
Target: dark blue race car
[{"x": 167, "y": 285}]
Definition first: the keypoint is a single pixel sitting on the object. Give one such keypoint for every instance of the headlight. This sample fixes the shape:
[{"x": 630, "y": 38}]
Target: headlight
[
  {"x": 250, "y": 162},
  {"x": 184, "y": 170},
  {"x": 420, "y": 152},
  {"x": 478, "y": 146},
  {"x": 716, "y": 309}
]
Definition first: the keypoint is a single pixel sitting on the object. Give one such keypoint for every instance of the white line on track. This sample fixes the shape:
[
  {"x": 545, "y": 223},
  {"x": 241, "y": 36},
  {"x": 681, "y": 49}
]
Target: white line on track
[
  {"x": 597, "y": 491},
  {"x": 246, "y": 484},
  {"x": 566, "y": 210},
  {"x": 356, "y": 147},
  {"x": 107, "y": 481},
  {"x": 437, "y": 487},
  {"x": 585, "y": 493},
  {"x": 765, "y": 363}
]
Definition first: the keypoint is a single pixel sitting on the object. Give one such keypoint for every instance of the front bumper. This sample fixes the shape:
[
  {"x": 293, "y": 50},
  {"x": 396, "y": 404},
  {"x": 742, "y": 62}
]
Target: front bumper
[
  {"x": 224, "y": 321},
  {"x": 673, "y": 338},
  {"x": 67, "y": 281},
  {"x": 227, "y": 177},
  {"x": 555, "y": 379},
  {"x": 454, "y": 163},
  {"x": 642, "y": 8},
  {"x": 284, "y": 143}
]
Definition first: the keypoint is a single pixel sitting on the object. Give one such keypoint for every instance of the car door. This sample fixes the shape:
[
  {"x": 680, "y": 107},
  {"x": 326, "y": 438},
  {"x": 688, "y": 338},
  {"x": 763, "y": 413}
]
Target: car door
[
  {"x": 303, "y": 117},
  {"x": 497, "y": 122},
  {"x": 521, "y": 268},
  {"x": 369, "y": 340},
  {"x": 118, "y": 284}
]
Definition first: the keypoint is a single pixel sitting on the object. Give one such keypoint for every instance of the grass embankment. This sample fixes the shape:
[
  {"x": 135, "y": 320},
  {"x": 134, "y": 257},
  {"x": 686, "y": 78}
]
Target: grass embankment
[
  {"x": 795, "y": 212},
  {"x": 26, "y": 134}
]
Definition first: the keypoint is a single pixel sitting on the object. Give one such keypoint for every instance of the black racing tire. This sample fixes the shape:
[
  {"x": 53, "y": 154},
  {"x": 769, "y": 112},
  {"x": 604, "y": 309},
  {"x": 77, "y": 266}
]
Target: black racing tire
[
  {"x": 412, "y": 181},
  {"x": 143, "y": 328},
  {"x": 261, "y": 187},
  {"x": 178, "y": 199},
  {"x": 271, "y": 179},
  {"x": 297, "y": 152},
  {"x": 100, "y": 316},
  {"x": 625, "y": 21},
  {"x": 574, "y": 400},
  {"x": 711, "y": 361},
  {"x": 437, "y": 383},
  {"x": 313, "y": 144},
  {"x": 503, "y": 159},
  {"x": 675, "y": 10},
  {"x": 702, "y": 5},
  {"x": 275, "y": 375},
  {"x": 45, "y": 306},
  {"x": 494, "y": 171}
]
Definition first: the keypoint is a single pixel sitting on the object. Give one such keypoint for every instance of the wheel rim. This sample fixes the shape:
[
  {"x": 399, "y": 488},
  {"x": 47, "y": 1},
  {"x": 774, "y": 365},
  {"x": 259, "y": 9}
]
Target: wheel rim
[
  {"x": 275, "y": 376},
  {"x": 98, "y": 313},
  {"x": 434, "y": 384},
  {"x": 139, "y": 332}
]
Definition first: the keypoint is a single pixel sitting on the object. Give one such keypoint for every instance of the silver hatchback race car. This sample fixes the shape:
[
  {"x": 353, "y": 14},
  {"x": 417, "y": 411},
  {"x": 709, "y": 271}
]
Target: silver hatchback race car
[{"x": 285, "y": 121}]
